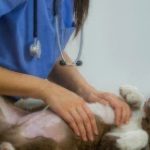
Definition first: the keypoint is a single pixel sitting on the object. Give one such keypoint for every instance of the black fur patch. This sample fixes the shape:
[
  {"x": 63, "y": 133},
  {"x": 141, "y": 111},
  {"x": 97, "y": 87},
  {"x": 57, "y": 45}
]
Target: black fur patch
[{"x": 109, "y": 143}]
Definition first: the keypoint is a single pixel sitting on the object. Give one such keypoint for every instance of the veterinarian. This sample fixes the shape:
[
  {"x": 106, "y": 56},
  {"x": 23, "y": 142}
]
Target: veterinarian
[{"x": 33, "y": 63}]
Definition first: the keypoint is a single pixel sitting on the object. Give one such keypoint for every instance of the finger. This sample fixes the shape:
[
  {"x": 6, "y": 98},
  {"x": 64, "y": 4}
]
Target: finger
[
  {"x": 92, "y": 119},
  {"x": 99, "y": 99},
  {"x": 87, "y": 123},
  {"x": 103, "y": 96},
  {"x": 124, "y": 115},
  {"x": 129, "y": 114},
  {"x": 118, "y": 115},
  {"x": 79, "y": 123},
  {"x": 103, "y": 101},
  {"x": 70, "y": 120},
  {"x": 109, "y": 97},
  {"x": 117, "y": 107}
]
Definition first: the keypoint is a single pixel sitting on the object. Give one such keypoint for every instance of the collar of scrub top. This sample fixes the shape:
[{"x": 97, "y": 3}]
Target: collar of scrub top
[{"x": 35, "y": 48}]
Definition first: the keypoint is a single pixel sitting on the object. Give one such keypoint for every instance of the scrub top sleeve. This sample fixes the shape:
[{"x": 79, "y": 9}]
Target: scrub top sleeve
[{"x": 8, "y": 5}]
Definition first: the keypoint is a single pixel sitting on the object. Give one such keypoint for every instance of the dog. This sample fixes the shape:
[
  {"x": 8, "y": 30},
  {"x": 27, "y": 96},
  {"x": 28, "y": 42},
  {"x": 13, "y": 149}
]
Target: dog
[{"x": 35, "y": 128}]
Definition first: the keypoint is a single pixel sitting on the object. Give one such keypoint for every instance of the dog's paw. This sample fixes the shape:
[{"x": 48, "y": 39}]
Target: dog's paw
[
  {"x": 132, "y": 96},
  {"x": 6, "y": 146},
  {"x": 109, "y": 142},
  {"x": 134, "y": 140}
]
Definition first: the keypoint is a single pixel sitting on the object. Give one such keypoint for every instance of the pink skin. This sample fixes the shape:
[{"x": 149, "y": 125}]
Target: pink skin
[
  {"x": 41, "y": 123},
  {"x": 45, "y": 123}
]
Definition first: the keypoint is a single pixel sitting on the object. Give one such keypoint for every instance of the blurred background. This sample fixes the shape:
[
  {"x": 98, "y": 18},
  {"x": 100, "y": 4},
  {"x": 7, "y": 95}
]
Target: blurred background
[{"x": 116, "y": 45}]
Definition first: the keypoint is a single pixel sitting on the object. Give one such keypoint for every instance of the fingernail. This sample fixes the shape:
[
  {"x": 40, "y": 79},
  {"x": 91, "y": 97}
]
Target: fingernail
[
  {"x": 78, "y": 134},
  {"x": 96, "y": 132},
  {"x": 91, "y": 138},
  {"x": 85, "y": 139},
  {"x": 127, "y": 122},
  {"x": 107, "y": 103}
]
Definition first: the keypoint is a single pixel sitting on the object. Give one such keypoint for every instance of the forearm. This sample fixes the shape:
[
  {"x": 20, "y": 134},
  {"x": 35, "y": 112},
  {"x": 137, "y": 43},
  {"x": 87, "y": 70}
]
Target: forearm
[
  {"x": 68, "y": 77},
  {"x": 18, "y": 84}
]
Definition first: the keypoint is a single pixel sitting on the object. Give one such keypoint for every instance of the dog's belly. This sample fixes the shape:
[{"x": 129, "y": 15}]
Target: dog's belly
[
  {"x": 46, "y": 123},
  {"x": 43, "y": 124},
  {"x": 38, "y": 124}
]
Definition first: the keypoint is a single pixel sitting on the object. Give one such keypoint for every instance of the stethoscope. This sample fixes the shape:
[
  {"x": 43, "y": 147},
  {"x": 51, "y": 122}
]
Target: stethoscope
[{"x": 36, "y": 48}]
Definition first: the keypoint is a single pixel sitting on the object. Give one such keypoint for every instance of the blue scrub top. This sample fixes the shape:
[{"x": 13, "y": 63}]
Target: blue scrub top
[{"x": 16, "y": 34}]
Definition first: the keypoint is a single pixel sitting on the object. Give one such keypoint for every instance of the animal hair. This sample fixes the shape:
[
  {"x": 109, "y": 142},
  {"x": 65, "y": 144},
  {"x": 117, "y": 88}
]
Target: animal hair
[{"x": 110, "y": 137}]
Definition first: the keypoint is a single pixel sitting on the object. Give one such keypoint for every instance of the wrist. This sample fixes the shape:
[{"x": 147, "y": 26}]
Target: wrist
[
  {"x": 44, "y": 90},
  {"x": 85, "y": 91},
  {"x": 81, "y": 88},
  {"x": 50, "y": 91}
]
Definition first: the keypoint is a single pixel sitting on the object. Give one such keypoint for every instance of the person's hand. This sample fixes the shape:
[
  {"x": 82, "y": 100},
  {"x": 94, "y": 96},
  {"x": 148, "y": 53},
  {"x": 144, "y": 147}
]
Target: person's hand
[
  {"x": 122, "y": 110},
  {"x": 73, "y": 109}
]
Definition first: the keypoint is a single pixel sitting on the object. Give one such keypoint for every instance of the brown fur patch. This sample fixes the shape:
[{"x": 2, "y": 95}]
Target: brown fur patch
[
  {"x": 146, "y": 121},
  {"x": 39, "y": 144},
  {"x": 108, "y": 143}
]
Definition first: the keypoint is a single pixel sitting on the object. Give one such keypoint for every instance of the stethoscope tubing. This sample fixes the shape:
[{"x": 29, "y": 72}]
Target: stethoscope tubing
[
  {"x": 35, "y": 48},
  {"x": 60, "y": 47},
  {"x": 35, "y": 19}
]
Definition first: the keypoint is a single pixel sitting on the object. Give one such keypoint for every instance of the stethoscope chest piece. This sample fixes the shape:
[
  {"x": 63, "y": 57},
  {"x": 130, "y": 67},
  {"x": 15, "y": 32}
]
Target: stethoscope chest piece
[{"x": 35, "y": 49}]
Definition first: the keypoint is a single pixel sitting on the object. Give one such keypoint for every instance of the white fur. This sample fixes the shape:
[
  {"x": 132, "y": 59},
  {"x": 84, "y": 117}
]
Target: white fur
[
  {"x": 131, "y": 136},
  {"x": 133, "y": 140},
  {"x": 6, "y": 146},
  {"x": 105, "y": 112}
]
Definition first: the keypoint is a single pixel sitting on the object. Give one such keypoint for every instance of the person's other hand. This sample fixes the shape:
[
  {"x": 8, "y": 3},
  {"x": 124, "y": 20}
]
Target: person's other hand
[{"x": 121, "y": 108}]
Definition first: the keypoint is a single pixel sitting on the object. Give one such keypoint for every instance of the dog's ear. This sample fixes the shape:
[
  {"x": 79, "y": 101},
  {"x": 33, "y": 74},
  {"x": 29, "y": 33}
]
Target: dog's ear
[
  {"x": 147, "y": 109},
  {"x": 146, "y": 119}
]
